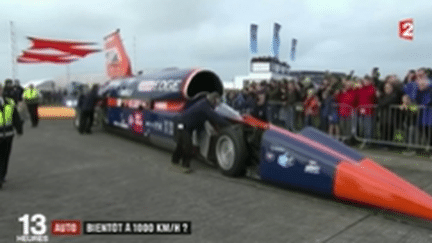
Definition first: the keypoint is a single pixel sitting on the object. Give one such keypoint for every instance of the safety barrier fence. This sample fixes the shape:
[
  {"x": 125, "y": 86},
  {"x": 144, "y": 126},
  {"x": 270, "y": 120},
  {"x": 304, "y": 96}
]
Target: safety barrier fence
[{"x": 393, "y": 125}]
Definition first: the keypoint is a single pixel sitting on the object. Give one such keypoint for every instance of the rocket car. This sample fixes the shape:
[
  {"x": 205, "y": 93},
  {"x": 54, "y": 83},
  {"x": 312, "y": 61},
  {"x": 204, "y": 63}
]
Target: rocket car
[{"x": 144, "y": 107}]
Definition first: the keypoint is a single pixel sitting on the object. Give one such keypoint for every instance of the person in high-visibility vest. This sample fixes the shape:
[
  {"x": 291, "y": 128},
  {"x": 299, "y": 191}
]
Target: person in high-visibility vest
[
  {"x": 31, "y": 98},
  {"x": 9, "y": 119}
]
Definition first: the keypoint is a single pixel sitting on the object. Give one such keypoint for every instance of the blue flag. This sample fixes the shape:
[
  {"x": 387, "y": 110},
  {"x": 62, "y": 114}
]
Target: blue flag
[
  {"x": 276, "y": 40},
  {"x": 293, "y": 49},
  {"x": 253, "y": 38}
]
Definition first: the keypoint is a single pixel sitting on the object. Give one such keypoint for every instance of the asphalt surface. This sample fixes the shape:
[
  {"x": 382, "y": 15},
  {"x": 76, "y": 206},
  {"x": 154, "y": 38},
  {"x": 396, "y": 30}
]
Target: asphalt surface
[{"x": 64, "y": 175}]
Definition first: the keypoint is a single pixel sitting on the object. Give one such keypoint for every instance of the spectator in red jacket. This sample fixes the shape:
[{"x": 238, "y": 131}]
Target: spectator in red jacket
[
  {"x": 366, "y": 99},
  {"x": 346, "y": 100}
]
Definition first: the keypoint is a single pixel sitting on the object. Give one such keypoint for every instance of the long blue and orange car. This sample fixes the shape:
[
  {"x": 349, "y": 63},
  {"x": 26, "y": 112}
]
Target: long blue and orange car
[{"x": 144, "y": 106}]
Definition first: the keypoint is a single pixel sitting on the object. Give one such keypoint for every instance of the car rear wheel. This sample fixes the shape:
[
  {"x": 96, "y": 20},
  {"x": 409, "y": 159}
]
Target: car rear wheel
[{"x": 231, "y": 153}]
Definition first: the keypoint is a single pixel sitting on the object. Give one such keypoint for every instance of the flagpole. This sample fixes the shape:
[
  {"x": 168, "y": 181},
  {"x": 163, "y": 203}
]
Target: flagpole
[
  {"x": 135, "y": 61},
  {"x": 13, "y": 42},
  {"x": 67, "y": 73}
]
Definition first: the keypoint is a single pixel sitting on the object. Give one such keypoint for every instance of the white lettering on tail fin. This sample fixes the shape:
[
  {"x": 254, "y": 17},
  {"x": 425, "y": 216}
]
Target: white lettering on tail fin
[{"x": 117, "y": 62}]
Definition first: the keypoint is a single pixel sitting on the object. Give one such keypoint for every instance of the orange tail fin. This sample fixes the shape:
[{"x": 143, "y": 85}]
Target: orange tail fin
[{"x": 117, "y": 61}]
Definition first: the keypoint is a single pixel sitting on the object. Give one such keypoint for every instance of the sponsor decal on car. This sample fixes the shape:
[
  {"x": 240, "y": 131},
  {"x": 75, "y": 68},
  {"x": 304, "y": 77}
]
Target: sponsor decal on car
[
  {"x": 270, "y": 156},
  {"x": 155, "y": 126},
  {"x": 131, "y": 120},
  {"x": 285, "y": 160},
  {"x": 312, "y": 168},
  {"x": 146, "y": 86},
  {"x": 125, "y": 92},
  {"x": 170, "y": 85}
]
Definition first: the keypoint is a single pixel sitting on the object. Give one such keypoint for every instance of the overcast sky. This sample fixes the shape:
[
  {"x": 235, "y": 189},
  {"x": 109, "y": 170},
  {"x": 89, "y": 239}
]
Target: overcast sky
[{"x": 338, "y": 35}]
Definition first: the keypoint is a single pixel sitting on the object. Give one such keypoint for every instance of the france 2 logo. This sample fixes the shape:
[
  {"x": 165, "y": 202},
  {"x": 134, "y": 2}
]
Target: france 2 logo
[{"x": 406, "y": 29}]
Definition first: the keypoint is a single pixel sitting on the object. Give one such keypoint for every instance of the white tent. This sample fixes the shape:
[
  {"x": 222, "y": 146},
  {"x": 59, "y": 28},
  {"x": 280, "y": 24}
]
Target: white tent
[{"x": 42, "y": 84}]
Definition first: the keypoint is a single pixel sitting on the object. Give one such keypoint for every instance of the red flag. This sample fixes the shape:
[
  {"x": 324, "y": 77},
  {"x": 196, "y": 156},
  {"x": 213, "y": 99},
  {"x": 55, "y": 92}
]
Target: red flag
[
  {"x": 34, "y": 57},
  {"x": 22, "y": 59},
  {"x": 55, "y": 51},
  {"x": 73, "y": 47}
]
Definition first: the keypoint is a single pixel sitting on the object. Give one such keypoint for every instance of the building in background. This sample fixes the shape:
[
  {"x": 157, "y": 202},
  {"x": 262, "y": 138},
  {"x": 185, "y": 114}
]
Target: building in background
[{"x": 263, "y": 68}]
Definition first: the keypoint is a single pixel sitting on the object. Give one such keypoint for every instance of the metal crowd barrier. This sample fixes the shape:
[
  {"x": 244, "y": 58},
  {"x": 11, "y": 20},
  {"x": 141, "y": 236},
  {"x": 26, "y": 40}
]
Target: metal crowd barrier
[
  {"x": 338, "y": 122},
  {"x": 409, "y": 127},
  {"x": 396, "y": 126},
  {"x": 289, "y": 117}
]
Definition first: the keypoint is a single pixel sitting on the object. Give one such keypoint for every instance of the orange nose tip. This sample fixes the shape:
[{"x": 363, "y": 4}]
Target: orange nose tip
[
  {"x": 370, "y": 184},
  {"x": 370, "y": 165}
]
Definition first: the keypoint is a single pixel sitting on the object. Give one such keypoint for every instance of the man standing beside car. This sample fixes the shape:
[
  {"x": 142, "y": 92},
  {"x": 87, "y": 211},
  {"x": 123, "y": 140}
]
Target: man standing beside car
[
  {"x": 193, "y": 118},
  {"x": 86, "y": 105}
]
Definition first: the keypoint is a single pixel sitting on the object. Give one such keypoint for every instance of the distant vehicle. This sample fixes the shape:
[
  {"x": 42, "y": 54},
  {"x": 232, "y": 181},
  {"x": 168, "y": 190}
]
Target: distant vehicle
[
  {"x": 144, "y": 107},
  {"x": 72, "y": 92}
]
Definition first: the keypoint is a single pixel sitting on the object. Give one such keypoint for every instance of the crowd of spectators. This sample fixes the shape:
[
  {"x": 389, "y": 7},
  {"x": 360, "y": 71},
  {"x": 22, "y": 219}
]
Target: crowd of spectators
[
  {"x": 333, "y": 104},
  {"x": 52, "y": 97}
]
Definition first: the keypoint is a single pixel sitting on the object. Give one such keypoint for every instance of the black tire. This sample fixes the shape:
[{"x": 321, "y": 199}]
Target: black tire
[{"x": 231, "y": 141}]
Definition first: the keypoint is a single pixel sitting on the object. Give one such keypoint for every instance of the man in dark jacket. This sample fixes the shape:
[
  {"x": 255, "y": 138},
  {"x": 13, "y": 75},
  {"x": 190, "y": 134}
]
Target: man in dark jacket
[
  {"x": 87, "y": 105},
  {"x": 193, "y": 118},
  {"x": 274, "y": 101},
  {"x": 8, "y": 91},
  {"x": 18, "y": 91},
  {"x": 387, "y": 117},
  {"x": 261, "y": 101},
  {"x": 9, "y": 119}
]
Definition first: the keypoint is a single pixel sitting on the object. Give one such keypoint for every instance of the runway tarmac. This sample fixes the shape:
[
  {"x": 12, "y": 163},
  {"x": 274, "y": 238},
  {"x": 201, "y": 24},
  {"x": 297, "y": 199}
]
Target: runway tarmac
[{"x": 61, "y": 174}]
